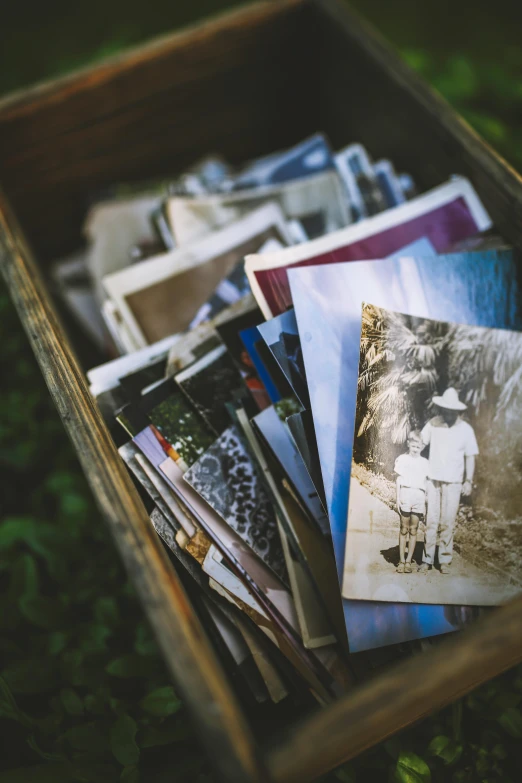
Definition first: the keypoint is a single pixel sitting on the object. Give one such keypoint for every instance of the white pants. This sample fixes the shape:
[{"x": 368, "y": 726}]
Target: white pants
[{"x": 443, "y": 505}]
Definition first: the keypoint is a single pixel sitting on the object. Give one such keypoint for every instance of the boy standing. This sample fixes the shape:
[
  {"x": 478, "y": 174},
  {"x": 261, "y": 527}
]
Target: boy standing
[
  {"x": 453, "y": 448},
  {"x": 411, "y": 470}
]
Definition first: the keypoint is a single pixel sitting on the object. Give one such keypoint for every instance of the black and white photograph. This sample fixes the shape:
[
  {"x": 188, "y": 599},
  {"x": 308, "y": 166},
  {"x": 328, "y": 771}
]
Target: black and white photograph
[
  {"x": 231, "y": 289},
  {"x": 226, "y": 477},
  {"x": 196, "y": 344},
  {"x": 282, "y": 337},
  {"x": 212, "y": 382},
  {"x": 138, "y": 381},
  {"x": 317, "y": 201},
  {"x": 161, "y": 295},
  {"x": 301, "y": 427},
  {"x": 129, "y": 452},
  {"x": 274, "y": 432},
  {"x": 262, "y": 575},
  {"x": 435, "y": 492}
]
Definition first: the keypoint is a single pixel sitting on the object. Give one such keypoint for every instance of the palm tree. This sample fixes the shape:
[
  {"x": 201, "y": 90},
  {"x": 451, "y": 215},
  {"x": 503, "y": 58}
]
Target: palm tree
[
  {"x": 486, "y": 364},
  {"x": 398, "y": 371},
  {"x": 405, "y": 360}
]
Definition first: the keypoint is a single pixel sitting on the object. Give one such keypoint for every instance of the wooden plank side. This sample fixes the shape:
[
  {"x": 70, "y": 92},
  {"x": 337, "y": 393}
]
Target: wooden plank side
[
  {"x": 371, "y": 95},
  {"x": 403, "y": 695},
  {"x": 223, "y": 86},
  {"x": 185, "y": 647}
]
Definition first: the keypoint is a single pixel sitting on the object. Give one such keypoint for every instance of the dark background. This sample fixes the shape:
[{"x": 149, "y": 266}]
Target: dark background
[{"x": 84, "y": 695}]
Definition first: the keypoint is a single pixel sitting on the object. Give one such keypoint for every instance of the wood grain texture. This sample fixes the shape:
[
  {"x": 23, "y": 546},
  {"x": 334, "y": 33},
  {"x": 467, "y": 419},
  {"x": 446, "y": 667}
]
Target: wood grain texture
[
  {"x": 369, "y": 94},
  {"x": 198, "y": 675},
  {"x": 403, "y": 695},
  {"x": 228, "y": 86}
]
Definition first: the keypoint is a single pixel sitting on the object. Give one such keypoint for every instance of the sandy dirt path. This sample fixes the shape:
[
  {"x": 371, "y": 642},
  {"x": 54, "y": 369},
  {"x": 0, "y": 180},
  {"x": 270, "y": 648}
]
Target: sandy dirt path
[{"x": 373, "y": 554}]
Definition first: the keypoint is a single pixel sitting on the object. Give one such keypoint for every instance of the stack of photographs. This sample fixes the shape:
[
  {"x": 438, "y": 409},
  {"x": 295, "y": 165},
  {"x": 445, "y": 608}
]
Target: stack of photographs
[{"x": 318, "y": 393}]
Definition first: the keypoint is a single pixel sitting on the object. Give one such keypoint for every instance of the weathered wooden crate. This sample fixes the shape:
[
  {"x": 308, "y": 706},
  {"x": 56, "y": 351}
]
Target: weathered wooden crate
[{"x": 244, "y": 84}]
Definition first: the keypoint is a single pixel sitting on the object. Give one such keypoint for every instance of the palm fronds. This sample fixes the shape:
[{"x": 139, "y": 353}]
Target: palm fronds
[{"x": 405, "y": 360}]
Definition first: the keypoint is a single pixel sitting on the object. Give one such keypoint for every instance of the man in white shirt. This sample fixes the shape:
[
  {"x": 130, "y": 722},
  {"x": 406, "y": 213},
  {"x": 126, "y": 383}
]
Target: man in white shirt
[{"x": 453, "y": 448}]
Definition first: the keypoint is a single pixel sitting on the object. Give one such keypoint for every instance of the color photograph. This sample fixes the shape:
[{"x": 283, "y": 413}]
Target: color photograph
[
  {"x": 282, "y": 337},
  {"x": 444, "y": 215},
  {"x": 480, "y": 288},
  {"x": 210, "y": 383}
]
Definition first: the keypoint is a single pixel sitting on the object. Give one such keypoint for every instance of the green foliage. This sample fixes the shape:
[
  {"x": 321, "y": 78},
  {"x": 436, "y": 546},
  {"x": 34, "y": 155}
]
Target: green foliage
[
  {"x": 511, "y": 722},
  {"x": 397, "y": 372},
  {"x": 186, "y": 432},
  {"x": 130, "y": 774},
  {"x": 84, "y": 695},
  {"x": 161, "y": 702},
  {"x": 287, "y": 407},
  {"x": 123, "y": 741},
  {"x": 130, "y": 666},
  {"x": 169, "y": 730},
  {"x": 446, "y": 749},
  {"x": 411, "y": 769},
  {"x": 485, "y": 90},
  {"x": 9, "y": 709},
  {"x": 71, "y": 702}
]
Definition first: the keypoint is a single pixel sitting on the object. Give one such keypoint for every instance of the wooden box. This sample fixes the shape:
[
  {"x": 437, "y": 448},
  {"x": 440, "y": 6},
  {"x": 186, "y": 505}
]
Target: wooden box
[{"x": 245, "y": 84}]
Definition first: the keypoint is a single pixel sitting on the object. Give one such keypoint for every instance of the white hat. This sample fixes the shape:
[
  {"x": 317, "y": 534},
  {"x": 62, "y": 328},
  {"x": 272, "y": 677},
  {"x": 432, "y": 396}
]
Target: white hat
[{"x": 450, "y": 400}]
